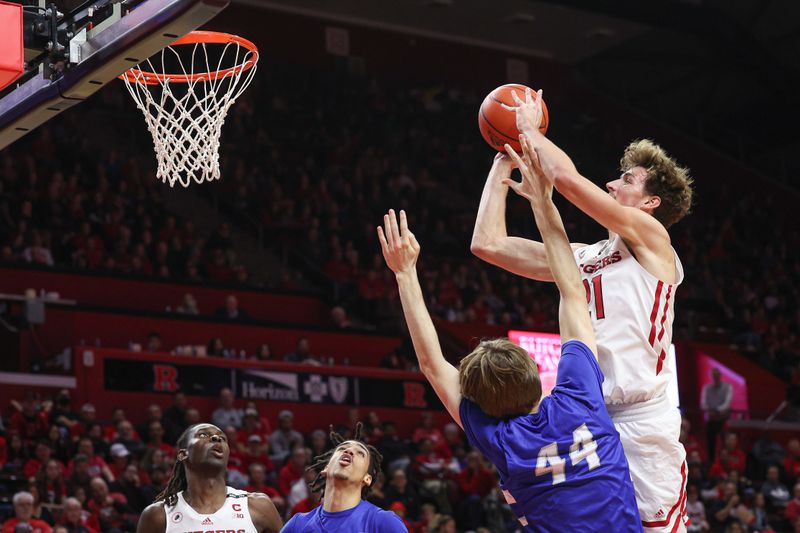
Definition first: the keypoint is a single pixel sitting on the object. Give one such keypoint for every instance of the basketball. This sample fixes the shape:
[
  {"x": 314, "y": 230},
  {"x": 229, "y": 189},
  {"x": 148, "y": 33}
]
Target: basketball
[{"x": 499, "y": 125}]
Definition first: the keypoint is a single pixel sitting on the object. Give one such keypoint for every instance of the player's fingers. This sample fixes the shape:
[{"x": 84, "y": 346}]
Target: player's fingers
[
  {"x": 393, "y": 227},
  {"x": 509, "y": 107},
  {"x": 528, "y": 95},
  {"x": 387, "y": 230},
  {"x": 510, "y": 151},
  {"x": 382, "y": 240},
  {"x": 516, "y": 97},
  {"x": 403, "y": 223}
]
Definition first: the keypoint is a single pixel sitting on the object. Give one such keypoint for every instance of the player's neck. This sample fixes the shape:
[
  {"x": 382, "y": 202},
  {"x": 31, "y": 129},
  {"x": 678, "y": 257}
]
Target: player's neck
[
  {"x": 340, "y": 496},
  {"x": 205, "y": 495}
]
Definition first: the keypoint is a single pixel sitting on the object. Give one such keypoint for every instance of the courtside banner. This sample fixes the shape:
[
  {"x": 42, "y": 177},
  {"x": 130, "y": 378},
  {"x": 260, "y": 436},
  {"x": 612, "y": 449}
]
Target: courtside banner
[{"x": 330, "y": 388}]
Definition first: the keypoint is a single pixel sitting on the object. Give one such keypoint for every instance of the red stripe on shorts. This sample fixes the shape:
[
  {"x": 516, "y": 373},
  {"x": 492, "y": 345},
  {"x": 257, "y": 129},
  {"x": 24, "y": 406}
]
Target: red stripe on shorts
[
  {"x": 654, "y": 312},
  {"x": 678, "y": 505}
]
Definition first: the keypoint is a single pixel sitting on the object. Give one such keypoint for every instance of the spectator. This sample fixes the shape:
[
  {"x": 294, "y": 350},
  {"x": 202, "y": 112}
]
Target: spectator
[
  {"x": 76, "y": 520},
  {"x": 154, "y": 342},
  {"x": 231, "y": 310},
  {"x": 16, "y": 454},
  {"x": 340, "y": 319},
  {"x": 155, "y": 414},
  {"x": 40, "y": 458},
  {"x": 50, "y": 483},
  {"x": 79, "y": 476},
  {"x": 23, "y": 514},
  {"x": 251, "y": 425},
  {"x": 175, "y": 415},
  {"x": 427, "y": 431},
  {"x": 293, "y": 470},
  {"x": 731, "y": 458},
  {"x": 284, "y": 439},
  {"x": 226, "y": 414},
  {"x": 58, "y": 443},
  {"x": 156, "y": 441},
  {"x": 29, "y": 422},
  {"x": 37, "y": 252},
  {"x": 188, "y": 305},
  {"x": 61, "y": 414},
  {"x": 129, "y": 439},
  {"x": 723, "y": 512},
  {"x": 302, "y": 353},
  {"x": 216, "y": 348},
  {"x": 86, "y": 417},
  {"x": 110, "y": 508},
  {"x": 792, "y": 512},
  {"x": 760, "y": 516},
  {"x": 399, "y": 490},
  {"x": 130, "y": 486},
  {"x": 396, "y": 453},
  {"x": 775, "y": 492},
  {"x": 696, "y": 511},
  {"x": 791, "y": 462},
  {"x": 120, "y": 458},
  {"x": 263, "y": 353},
  {"x": 257, "y": 474},
  {"x": 95, "y": 464},
  {"x": 715, "y": 401}
]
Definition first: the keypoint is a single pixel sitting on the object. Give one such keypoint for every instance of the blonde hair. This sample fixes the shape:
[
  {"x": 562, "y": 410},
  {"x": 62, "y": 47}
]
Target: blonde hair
[
  {"x": 665, "y": 179},
  {"x": 501, "y": 378}
]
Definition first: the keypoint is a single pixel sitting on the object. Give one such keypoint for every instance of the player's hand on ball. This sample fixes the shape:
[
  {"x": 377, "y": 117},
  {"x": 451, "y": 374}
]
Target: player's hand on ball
[
  {"x": 504, "y": 159},
  {"x": 529, "y": 111},
  {"x": 534, "y": 186},
  {"x": 399, "y": 246}
]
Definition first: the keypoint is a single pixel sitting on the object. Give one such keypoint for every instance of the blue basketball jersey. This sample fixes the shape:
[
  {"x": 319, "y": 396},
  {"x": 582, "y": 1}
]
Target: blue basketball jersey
[
  {"x": 563, "y": 467},
  {"x": 363, "y": 518}
]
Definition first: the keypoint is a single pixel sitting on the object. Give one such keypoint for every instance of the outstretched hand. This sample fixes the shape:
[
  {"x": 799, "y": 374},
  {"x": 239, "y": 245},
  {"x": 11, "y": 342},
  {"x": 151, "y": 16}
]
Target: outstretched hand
[
  {"x": 534, "y": 185},
  {"x": 399, "y": 246},
  {"x": 529, "y": 111}
]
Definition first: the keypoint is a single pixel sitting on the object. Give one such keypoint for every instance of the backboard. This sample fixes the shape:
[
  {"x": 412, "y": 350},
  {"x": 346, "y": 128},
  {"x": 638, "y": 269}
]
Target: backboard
[{"x": 71, "y": 55}]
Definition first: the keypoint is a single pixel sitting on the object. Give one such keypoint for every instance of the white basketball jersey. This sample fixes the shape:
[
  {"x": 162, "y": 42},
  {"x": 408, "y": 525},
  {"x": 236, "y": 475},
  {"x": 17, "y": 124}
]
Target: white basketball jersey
[
  {"x": 232, "y": 517},
  {"x": 632, "y": 314}
]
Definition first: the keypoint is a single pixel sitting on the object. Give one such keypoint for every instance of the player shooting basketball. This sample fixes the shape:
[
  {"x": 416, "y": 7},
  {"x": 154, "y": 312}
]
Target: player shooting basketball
[
  {"x": 560, "y": 460},
  {"x": 630, "y": 280}
]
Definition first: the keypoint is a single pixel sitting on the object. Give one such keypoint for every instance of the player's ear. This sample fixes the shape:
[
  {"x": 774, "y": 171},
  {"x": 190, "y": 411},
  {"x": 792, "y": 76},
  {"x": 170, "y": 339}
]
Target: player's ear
[
  {"x": 367, "y": 480},
  {"x": 652, "y": 203},
  {"x": 183, "y": 454}
]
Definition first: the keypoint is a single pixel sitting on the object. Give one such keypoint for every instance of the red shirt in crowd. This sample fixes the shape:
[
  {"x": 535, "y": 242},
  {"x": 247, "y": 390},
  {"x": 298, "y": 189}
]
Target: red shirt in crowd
[
  {"x": 792, "y": 465},
  {"x": 30, "y": 429},
  {"x": 39, "y": 526},
  {"x": 477, "y": 483},
  {"x": 727, "y": 462},
  {"x": 266, "y": 489},
  {"x": 287, "y": 476}
]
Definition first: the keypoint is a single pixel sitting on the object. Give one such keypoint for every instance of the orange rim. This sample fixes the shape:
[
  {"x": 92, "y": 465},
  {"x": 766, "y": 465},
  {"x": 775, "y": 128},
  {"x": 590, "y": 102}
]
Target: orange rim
[{"x": 135, "y": 75}]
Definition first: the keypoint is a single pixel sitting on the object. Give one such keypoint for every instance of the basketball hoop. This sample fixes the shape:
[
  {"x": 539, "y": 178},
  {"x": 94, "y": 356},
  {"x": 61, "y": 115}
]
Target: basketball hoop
[{"x": 186, "y": 127}]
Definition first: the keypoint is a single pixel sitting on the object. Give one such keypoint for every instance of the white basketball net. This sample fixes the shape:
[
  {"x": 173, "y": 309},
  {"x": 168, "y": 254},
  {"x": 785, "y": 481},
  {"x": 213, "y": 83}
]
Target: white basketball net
[{"x": 186, "y": 126}]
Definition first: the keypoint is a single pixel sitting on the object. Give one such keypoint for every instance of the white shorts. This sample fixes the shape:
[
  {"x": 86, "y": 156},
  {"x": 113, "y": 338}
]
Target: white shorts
[{"x": 649, "y": 433}]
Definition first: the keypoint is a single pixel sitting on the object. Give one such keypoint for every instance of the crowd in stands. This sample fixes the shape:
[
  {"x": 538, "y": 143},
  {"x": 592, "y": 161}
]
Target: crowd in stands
[
  {"x": 318, "y": 189},
  {"x": 63, "y": 469}
]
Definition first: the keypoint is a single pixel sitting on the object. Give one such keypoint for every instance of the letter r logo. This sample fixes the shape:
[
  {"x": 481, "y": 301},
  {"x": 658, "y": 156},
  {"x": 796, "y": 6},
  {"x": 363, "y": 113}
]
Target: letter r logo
[
  {"x": 414, "y": 395},
  {"x": 164, "y": 378}
]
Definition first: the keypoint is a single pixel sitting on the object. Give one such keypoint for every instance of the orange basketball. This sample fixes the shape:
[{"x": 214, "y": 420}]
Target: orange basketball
[{"x": 499, "y": 125}]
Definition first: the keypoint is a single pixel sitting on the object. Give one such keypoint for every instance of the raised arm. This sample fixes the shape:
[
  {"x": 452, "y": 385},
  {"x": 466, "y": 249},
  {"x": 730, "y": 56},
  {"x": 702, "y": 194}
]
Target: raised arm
[
  {"x": 573, "y": 312},
  {"x": 490, "y": 239},
  {"x": 401, "y": 250},
  {"x": 634, "y": 225}
]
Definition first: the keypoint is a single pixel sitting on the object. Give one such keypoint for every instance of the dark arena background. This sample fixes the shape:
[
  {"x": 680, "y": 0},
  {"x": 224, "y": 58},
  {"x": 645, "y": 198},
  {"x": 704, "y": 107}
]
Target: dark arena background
[{"x": 259, "y": 301}]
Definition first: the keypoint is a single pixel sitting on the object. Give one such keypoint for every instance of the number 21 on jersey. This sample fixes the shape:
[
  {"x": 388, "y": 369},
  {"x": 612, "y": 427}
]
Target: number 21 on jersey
[
  {"x": 583, "y": 447},
  {"x": 595, "y": 288}
]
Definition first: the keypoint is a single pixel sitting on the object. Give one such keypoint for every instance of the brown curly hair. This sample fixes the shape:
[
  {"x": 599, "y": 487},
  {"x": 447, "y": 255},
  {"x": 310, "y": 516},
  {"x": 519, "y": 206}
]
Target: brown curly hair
[{"x": 665, "y": 179}]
